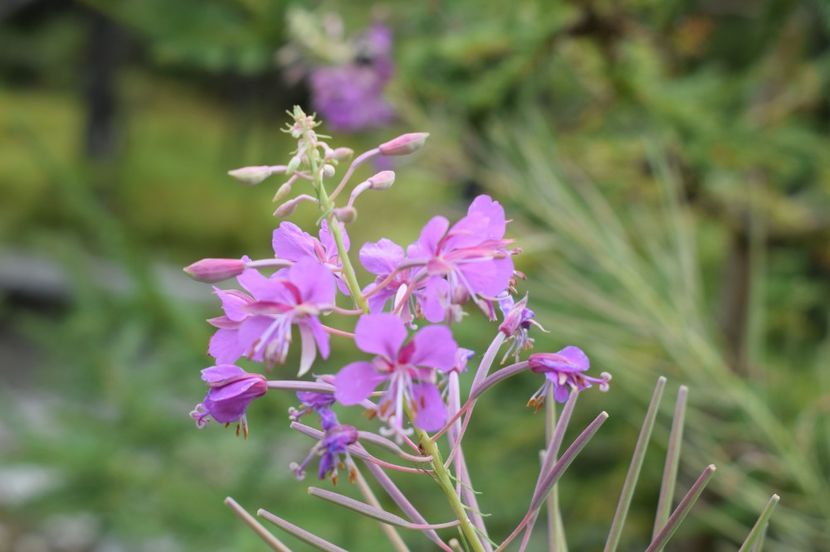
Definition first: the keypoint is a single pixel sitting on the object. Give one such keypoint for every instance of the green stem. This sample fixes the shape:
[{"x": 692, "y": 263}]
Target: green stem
[
  {"x": 327, "y": 208},
  {"x": 442, "y": 477}
]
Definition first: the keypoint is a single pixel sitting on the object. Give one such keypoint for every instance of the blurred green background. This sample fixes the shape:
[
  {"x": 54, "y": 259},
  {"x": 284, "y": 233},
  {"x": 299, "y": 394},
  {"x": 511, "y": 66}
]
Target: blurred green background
[{"x": 666, "y": 165}]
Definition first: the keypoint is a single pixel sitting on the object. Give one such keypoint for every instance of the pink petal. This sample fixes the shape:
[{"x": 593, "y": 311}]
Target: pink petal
[
  {"x": 492, "y": 210},
  {"x": 222, "y": 372},
  {"x": 431, "y": 412},
  {"x": 381, "y": 257},
  {"x": 315, "y": 281},
  {"x": 321, "y": 336},
  {"x": 225, "y": 347},
  {"x": 576, "y": 357},
  {"x": 259, "y": 286},
  {"x": 327, "y": 240},
  {"x": 355, "y": 382},
  {"x": 434, "y": 347},
  {"x": 427, "y": 244},
  {"x": 488, "y": 278},
  {"x": 434, "y": 298},
  {"x": 308, "y": 350},
  {"x": 292, "y": 243},
  {"x": 380, "y": 334},
  {"x": 233, "y": 303}
]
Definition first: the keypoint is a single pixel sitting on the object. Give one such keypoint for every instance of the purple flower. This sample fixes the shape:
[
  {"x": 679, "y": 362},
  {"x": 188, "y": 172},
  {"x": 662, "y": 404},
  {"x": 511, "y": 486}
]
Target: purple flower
[
  {"x": 350, "y": 96},
  {"x": 564, "y": 370},
  {"x": 383, "y": 259},
  {"x": 320, "y": 403},
  {"x": 231, "y": 391},
  {"x": 469, "y": 260},
  {"x": 334, "y": 444},
  {"x": 292, "y": 243},
  {"x": 516, "y": 324},
  {"x": 408, "y": 370},
  {"x": 259, "y": 325}
]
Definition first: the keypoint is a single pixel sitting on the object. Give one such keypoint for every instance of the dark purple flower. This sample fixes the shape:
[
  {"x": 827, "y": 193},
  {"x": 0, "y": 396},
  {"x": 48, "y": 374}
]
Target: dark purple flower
[
  {"x": 516, "y": 324},
  {"x": 408, "y": 370},
  {"x": 564, "y": 370},
  {"x": 469, "y": 260},
  {"x": 290, "y": 242},
  {"x": 231, "y": 391},
  {"x": 259, "y": 325},
  {"x": 320, "y": 403},
  {"x": 334, "y": 444}
]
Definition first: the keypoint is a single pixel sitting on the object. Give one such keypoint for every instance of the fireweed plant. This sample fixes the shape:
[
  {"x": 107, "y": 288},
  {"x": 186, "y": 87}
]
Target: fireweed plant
[{"x": 408, "y": 377}]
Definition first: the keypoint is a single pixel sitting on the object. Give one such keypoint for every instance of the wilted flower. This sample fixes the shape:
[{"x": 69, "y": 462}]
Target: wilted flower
[
  {"x": 231, "y": 391},
  {"x": 564, "y": 370},
  {"x": 334, "y": 444},
  {"x": 320, "y": 403},
  {"x": 408, "y": 369},
  {"x": 517, "y": 322},
  {"x": 259, "y": 325}
]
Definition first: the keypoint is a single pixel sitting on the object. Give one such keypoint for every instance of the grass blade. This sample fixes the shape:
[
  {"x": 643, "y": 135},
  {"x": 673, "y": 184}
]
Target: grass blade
[
  {"x": 664, "y": 503},
  {"x": 633, "y": 474},
  {"x": 682, "y": 510},
  {"x": 754, "y": 540}
]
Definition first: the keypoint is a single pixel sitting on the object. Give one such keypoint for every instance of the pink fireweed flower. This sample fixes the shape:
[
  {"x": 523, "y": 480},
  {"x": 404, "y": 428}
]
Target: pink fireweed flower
[
  {"x": 334, "y": 444},
  {"x": 292, "y": 243},
  {"x": 409, "y": 370},
  {"x": 259, "y": 325},
  {"x": 469, "y": 260},
  {"x": 564, "y": 370},
  {"x": 231, "y": 391},
  {"x": 516, "y": 325}
]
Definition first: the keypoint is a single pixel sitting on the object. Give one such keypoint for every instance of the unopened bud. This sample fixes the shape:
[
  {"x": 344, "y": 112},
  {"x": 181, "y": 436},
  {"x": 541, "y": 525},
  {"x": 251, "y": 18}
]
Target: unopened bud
[
  {"x": 341, "y": 154},
  {"x": 286, "y": 208},
  {"x": 252, "y": 175},
  {"x": 293, "y": 165},
  {"x": 283, "y": 190},
  {"x": 211, "y": 271},
  {"x": 404, "y": 144},
  {"x": 382, "y": 180},
  {"x": 328, "y": 170},
  {"x": 345, "y": 214}
]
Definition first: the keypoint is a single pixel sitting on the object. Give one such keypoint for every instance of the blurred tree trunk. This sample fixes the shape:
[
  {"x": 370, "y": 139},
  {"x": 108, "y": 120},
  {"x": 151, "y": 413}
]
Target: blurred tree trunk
[{"x": 104, "y": 56}]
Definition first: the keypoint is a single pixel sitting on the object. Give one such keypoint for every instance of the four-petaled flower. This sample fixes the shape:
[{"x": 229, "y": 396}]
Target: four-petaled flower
[
  {"x": 409, "y": 370},
  {"x": 565, "y": 371},
  {"x": 231, "y": 391},
  {"x": 259, "y": 325},
  {"x": 469, "y": 260}
]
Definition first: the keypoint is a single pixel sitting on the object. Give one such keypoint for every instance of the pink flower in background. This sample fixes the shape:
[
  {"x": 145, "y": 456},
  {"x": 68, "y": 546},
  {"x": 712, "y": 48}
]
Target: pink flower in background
[
  {"x": 564, "y": 371},
  {"x": 258, "y": 324},
  {"x": 408, "y": 370},
  {"x": 231, "y": 391}
]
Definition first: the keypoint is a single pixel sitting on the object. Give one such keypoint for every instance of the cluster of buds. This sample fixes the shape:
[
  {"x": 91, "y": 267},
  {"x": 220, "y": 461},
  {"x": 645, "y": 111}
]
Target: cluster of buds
[{"x": 410, "y": 377}]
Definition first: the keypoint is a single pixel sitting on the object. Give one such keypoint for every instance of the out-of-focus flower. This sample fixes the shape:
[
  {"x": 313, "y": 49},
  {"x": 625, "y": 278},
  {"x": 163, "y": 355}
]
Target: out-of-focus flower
[
  {"x": 231, "y": 391},
  {"x": 565, "y": 371},
  {"x": 409, "y": 370},
  {"x": 259, "y": 325}
]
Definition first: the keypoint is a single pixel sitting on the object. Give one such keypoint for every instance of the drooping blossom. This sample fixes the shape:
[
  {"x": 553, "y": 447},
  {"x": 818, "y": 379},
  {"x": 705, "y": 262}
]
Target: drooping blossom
[
  {"x": 231, "y": 391},
  {"x": 409, "y": 370},
  {"x": 258, "y": 324},
  {"x": 565, "y": 371},
  {"x": 516, "y": 325},
  {"x": 291, "y": 243},
  {"x": 312, "y": 401},
  {"x": 469, "y": 260},
  {"x": 334, "y": 444}
]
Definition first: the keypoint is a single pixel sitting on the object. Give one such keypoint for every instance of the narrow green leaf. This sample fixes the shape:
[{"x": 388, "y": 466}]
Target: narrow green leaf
[{"x": 754, "y": 540}]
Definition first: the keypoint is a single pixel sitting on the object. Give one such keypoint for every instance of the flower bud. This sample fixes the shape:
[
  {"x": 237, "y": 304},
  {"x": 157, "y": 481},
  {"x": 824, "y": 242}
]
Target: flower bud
[
  {"x": 382, "y": 180},
  {"x": 404, "y": 144},
  {"x": 341, "y": 154},
  {"x": 211, "y": 271},
  {"x": 283, "y": 190},
  {"x": 293, "y": 165},
  {"x": 346, "y": 214},
  {"x": 286, "y": 208},
  {"x": 252, "y": 175},
  {"x": 328, "y": 170}
]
